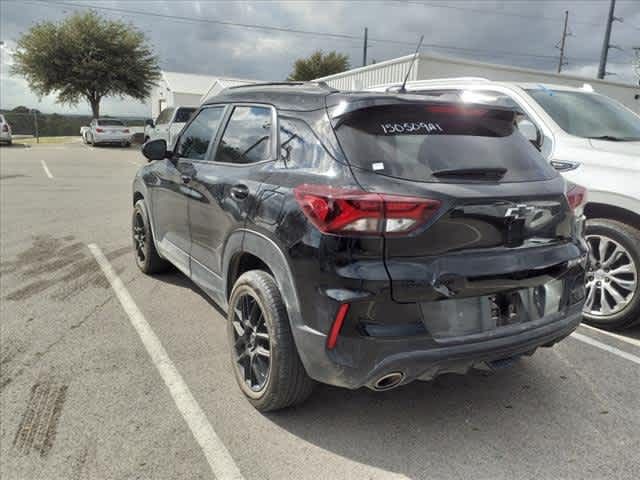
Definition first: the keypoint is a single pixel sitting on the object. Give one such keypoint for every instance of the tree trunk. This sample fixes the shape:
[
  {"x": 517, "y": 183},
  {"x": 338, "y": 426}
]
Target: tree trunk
[{"x": 95, "y": 106}]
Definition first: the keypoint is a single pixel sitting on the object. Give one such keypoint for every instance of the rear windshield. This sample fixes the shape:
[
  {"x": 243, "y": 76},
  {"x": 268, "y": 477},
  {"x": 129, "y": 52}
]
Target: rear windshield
[
  {"x": 110, "y": 123},
  {"x": 417, "y": 140},
  {"x": 183, "y": 115}
]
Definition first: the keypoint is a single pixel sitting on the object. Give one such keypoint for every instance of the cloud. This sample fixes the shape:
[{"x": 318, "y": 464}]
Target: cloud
[{"x": 499, "y": 29}]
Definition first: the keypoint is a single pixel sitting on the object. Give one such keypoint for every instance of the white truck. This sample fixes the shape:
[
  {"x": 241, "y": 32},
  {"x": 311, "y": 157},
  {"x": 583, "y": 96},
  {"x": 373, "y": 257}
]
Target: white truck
[
  {"x": 168, "y": 124},
  {"x": 595, "y": 142}
]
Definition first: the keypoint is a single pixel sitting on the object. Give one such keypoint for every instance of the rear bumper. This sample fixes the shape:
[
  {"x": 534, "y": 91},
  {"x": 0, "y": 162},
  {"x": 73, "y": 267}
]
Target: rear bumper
[
  {"x": 111, "y": 138},
  {"x": 361, "y": 361}
]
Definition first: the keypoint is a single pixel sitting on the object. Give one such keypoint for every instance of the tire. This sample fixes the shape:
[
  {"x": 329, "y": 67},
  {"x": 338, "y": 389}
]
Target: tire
[
  {"x": 285, "y": 382},
  {"x": 626, "y": 313},
  {"x": 144, "y": 248}
]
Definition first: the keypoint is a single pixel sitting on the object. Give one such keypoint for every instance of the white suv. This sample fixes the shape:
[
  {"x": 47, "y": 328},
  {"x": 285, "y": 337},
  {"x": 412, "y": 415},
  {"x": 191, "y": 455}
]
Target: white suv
[{"x": 595, "y": 142}]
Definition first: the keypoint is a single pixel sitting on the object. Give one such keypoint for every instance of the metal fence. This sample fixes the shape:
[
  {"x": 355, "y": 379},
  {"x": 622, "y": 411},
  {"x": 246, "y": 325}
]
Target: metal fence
[{"x": 36, "y": 124}]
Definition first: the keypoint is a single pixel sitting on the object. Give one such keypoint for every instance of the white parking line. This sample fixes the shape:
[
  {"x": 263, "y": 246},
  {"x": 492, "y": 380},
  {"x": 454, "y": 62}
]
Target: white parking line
[
  {"x": 217, "y": 455},
  {"x": 622, "y": 338},
  {"x": 46, "y": 169},
  {"x": 608, "y": 348}
]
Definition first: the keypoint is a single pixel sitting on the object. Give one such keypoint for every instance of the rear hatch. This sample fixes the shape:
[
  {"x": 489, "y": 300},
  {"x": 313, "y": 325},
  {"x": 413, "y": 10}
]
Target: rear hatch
[{"x": 503, "y": 222}]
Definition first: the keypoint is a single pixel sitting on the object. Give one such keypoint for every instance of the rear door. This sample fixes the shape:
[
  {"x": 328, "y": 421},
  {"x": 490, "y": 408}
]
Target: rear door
[
  {"x": 225, "y": 187},
  {"x": 502, "y": 215}
]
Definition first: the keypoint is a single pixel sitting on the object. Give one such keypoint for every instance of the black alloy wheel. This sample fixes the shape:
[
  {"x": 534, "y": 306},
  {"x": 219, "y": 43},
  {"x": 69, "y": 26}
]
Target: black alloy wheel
[{"x": 251, "y": 342}]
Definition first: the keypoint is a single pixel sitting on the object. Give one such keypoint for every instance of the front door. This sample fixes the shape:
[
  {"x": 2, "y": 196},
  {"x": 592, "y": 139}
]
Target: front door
[
  {"x": 169, "y": 211},
  {"x": 226, "y": 187}
]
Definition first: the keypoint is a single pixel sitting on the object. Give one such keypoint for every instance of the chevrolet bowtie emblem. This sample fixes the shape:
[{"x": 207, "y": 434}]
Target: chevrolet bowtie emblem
[{"x": 519, "y": 211}]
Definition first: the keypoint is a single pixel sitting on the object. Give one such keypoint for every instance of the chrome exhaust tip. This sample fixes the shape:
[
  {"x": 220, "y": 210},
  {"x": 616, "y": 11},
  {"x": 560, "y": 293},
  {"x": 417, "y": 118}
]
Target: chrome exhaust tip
[{"x": 388, "y": 381}]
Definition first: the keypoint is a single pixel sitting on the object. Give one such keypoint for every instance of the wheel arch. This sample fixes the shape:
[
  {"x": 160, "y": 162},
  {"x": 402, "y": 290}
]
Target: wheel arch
[
  {"x": 137, "y": 196},
  {"x": 602, "y": 210},
  {"x": 265, "y": 251}
]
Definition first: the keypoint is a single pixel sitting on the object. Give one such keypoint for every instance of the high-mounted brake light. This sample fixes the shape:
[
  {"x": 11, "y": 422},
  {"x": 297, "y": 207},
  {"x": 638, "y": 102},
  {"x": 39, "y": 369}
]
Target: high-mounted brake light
[
  {"x": 456, "y": 110},
  {"x": 576, "y": 196},
  {"x": 353, "y": 212}
]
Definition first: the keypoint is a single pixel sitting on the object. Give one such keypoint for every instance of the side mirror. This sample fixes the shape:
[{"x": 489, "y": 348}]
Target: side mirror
[
  {"x": 530, "y": 132},
  {"x": 155, "y": 149},
  {"x": 149, "y": 122}
]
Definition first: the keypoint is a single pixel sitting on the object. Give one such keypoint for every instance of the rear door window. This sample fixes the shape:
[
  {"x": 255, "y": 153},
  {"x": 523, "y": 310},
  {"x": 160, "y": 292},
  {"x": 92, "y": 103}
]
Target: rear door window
[
  {"x": 247, "y": 138},
  {"x": 416, "y": 141}
]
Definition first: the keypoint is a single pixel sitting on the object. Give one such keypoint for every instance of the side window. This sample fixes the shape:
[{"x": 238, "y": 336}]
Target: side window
[
  {"x": 194, "y": 141},
  {"x": 299, "y": 146},
  {"x": 247, "y": 138},
  {"x": 183, "y": 115}
]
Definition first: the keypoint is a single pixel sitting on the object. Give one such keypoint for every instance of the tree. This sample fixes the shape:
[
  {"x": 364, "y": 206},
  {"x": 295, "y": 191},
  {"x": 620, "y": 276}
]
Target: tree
[
  {"x": 86, "y": 57},
  {"x": 319, "y": 65}
]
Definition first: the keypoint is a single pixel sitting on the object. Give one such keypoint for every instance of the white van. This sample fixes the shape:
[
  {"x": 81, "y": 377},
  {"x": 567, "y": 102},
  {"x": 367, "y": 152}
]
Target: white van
[{"x": 595, "y": 142}]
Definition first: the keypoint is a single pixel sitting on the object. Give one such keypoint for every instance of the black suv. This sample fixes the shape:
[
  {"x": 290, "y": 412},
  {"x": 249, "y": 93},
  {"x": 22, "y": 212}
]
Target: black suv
[{"x": 363, "y": 239}]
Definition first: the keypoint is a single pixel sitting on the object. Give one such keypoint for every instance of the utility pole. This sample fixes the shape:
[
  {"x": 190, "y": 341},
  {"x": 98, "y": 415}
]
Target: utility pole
[
  {"x": 364, "y": 47},
  {"x": 606, "y": 45},
  {"x": 563, "y": 41}
]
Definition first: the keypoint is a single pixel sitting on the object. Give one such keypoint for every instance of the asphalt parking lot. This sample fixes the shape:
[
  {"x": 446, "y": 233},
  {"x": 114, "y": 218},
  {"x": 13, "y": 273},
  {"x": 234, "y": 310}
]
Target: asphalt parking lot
[{"x": 135, "y": 382}]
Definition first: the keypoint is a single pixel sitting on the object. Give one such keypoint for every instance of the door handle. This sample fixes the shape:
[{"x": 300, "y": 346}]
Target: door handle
[
  {"x": 239, "y": 192},
  {"x": 185, "y": 178}
]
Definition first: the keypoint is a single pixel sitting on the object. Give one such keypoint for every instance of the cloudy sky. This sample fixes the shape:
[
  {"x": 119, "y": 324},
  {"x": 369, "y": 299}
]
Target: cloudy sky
[{"x": 508, "y": 32}]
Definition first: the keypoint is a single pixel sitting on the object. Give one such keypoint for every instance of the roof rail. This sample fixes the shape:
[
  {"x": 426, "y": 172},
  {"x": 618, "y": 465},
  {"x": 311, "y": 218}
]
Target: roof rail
[
  {"x": 275, "y": 84},
  {"x": 455, "y": 79}
]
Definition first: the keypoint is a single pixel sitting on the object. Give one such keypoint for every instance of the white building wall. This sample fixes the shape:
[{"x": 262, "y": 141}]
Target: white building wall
[
  {"x": 186, "y": 100},
  {"x": 435, "y": 66},
  {"x": 160, "y": 97},
  {"x": 378, "y": 73}
]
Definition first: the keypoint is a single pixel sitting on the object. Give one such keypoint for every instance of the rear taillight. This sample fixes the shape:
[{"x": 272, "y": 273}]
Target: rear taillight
[
  {"x": 576, "y": 197},
  {"x": 5, "y": 128},
  {"x": 126, "y": 130},
  {"x": 99, "y": 130},
  {"x": 353, "y": 212}
]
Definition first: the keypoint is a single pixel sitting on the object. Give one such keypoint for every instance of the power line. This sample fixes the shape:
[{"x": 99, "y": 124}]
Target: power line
[
  {"x": 332, "y": 35},
  {"x": 499, "y": 12}
]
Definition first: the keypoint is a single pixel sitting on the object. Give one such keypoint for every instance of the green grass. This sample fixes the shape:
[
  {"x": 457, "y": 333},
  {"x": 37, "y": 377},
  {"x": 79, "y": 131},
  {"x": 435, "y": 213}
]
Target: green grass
[{"x": 33, "y": 141}]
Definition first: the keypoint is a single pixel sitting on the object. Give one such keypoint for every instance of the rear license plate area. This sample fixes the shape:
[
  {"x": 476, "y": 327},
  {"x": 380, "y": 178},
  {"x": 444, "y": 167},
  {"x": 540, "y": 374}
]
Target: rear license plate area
[{"x": 467, "y": 316}]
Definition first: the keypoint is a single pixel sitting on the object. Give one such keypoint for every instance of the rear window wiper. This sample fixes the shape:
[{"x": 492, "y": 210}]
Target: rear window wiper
[{"x": 487, "y": 173}]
